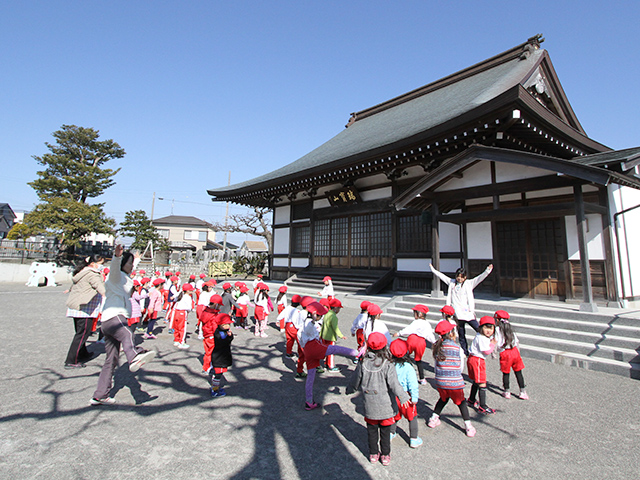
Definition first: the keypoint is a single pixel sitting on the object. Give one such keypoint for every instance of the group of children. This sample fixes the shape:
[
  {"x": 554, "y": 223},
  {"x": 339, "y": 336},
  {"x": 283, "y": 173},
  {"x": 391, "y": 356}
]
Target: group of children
[{"x": 384, "y": 372}]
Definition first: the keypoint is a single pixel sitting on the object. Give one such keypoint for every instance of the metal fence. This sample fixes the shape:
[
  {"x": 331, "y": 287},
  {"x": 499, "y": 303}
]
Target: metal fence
[{"x": 48, "y": 249}]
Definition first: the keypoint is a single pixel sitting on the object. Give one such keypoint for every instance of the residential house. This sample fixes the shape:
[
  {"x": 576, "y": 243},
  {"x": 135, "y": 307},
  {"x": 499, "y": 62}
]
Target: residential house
[{"x": 185, "y": 232}]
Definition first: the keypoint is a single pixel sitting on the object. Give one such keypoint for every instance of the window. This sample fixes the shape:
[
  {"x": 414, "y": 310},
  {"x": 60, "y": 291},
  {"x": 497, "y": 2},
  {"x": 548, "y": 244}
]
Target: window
[
  {"x": 322, "y": 238},
  {"x": 413, "y": 235},
  {"x": 163, "y": 232},
  {"x": 199, "y": 235},
  {"x": 300, "y": 239}
]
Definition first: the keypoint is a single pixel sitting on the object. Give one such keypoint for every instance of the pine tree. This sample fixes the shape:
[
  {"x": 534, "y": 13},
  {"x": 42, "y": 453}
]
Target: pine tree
[{"x": 136, "y": 224}]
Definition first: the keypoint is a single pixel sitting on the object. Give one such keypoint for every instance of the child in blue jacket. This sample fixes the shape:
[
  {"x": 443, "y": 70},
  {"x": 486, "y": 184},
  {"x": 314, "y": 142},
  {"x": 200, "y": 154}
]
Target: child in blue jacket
[{"x": 409, "y": 382}]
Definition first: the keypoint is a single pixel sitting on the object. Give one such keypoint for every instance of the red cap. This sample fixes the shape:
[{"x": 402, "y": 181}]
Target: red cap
[
  {"x": 305, "y": 301},
  {"x": 210, "y": 283},
  {"x": 223, "y": 318},
  {"x": 364, "y": 305},
  {"x": 106, "y": 270},
  {"x": 398, "y": 347},
  {"x": 156, "y": 273},
  {"x": 192, "y": 277},
  {"x": 444, "y": 327},
  {"x": 226, "y": 286},
  {"x": 167, "y": 274},
  {"x": 174, "y": 279},
  {"x": 317, "y": 308},
  {"x": 283, "y": 289},
  {"x": 376, "y": 341},
  {"x": 145, "y": 280},
  {"x": 263, "y": 286},
  {"x": 143, "y": 272},
  {"x": 374, "y": 309},
  {"x": 238, "y": 284},
  {"x": 421, "y": 308},
  {"x": 448, "y": 310},
  {"x": 501, "y": 314},
  {"x": 326, "y": 279},
  {"x": 178, "y": 274},
  {"x": 217, "y": 299},
  {"x": 133, "y": 272},
  {"x": 136, "y": 283},
  {"x": 244, "y": 289},
  {"x": 487, "y": 320},
  {"x": 202, "y": 275},
  {"x": 158, "y": 281},
  {"x": 325, "y": 302},
  {"x": 296, "y": 298},
  {"x": 259, "y": 275},
  {"x": 334, "y": 303},
  {"x": 187, "y": 287}
]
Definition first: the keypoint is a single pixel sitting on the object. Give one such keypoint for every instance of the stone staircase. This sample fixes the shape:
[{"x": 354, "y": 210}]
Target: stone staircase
[
  {"x": 608, "y": 341},
  {"x": 347, "y": 281}
]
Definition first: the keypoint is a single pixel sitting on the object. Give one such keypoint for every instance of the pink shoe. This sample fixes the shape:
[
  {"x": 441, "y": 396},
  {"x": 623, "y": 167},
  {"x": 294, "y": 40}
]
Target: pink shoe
[
  {"x": 385, "y": 459},
  {"x": 471, "y": 432},
  {"x": 523, "y": 395},
  {"x": 373, "y": 458},
  {"x": 433, "y": 422},
  {"x": 264, "y": 335},
  {"x": 506, "y": 394},
  {"x": 422, "y": 381}
]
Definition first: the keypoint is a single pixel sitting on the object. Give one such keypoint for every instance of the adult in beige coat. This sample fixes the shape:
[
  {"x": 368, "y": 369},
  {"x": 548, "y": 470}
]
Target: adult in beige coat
[{"x": 84, "y": 305}]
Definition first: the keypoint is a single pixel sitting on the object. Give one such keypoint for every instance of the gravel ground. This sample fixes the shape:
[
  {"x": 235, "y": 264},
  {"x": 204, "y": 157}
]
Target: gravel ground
[{"x": 578, "y": 423}]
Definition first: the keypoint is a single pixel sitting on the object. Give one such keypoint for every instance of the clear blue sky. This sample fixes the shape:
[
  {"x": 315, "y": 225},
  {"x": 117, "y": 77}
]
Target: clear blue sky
[{"x": 195, "y": 89}]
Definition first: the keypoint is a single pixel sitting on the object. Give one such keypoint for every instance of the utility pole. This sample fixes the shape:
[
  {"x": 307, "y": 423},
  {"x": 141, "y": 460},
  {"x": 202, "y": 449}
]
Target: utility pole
[
  {"x": 226, "y": 220},
  {"x": 153, "y": 204}
]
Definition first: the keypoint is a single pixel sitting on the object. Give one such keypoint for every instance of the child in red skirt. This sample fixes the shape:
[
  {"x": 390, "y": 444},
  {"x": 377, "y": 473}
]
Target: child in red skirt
[
  {"x": 221, "y": 355},
  {"x": 507, "y": 344},
  {"x": 242, "y": 312},
  {"x": 208, "y": 326},
  {"x": 418, "y": 334},
  {"x": 483, "y": 344},
  {"x": 377, "y": 378},
  {"x": 409, "y": 381}
]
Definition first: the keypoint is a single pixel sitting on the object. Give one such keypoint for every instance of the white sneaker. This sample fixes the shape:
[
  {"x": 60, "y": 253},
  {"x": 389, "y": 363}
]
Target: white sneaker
[
  {"x": 102, "y": 401},
  {"x": 176, "y": 344},
  {"x": 200, "y": 337},
  {"x": 183, "y": 346},
  {"x": 141, "y": 359}
]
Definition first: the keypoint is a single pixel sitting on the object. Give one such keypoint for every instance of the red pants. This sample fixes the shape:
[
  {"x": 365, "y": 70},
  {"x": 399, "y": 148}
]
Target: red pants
[
  {"x": 360, "y": 338},
  {"x": 165, "y": 296},
  {"x": 408, "y": 413},
  {"x": 291, "y": 333},
  {"x": 417, "y": 345},
  {"x": 133, "y": 320},
  {"x": 280, "y": 309},
  {"x": 179, "y": 323},
  {"x": 209, "y": 343},
  {"x": 477, "y": 369},
  {"x": 510, "y": 358},
  {"x": 329, "y": 361},
  {"x": 314, "y": 351}
]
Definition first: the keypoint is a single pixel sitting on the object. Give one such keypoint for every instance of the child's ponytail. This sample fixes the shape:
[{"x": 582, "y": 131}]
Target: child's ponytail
[{"x": 436, "y": 349}]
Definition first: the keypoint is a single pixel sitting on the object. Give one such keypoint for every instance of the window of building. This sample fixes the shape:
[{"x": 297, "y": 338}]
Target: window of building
[
  {"x": 163, "y": 232},
  {"x": 199, "y": 235},
  {"x": 413, "y": 235},
  {"x": 300, "y": 240}
]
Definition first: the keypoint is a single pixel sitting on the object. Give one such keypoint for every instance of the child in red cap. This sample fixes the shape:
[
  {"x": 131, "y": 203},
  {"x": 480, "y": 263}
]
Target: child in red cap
[
  {"x": 330, "y": 332},
  {"x": 449, "y": 382},
  {"x": 155, "y": 306},
  {"x": 242, "y": 311},
  {"x": 262, "y": 310},
  {"x": 507, "y": 345},
  {"x": 418, "y": 334},
  {"x": 209, "y": 324},
  {"x": 409, "y": 381},
  {"x": 357, "y": 328},
  {"x": 376, "y": 376},
  {"x": 183, "y": 305},
  {"x": 281, "y": 302},
  {"x": 483, "y": 344},
  {"x": 221, "y": 355}
]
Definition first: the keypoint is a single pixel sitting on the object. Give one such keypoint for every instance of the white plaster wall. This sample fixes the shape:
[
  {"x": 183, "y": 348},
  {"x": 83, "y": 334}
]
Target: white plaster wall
[
  {"x": 480, "y": 201},
  {"x": 479, "y": 174},
  {"x": 321, "y": 203},
  {"x": 552, "y": 192},
  {"x": 299, "y": 262},
  {"x": 627, "y": 231},
  {"x": 281, "y": 240},
  {"x": 594, "y": 237},
  {"x": 450, "y": 264},
  {"x": 413, "y": 172},
  {"x": 506, "y": 172},
  {"x": 282, "y": 214},
  {"x": 280, "y": 262},
  {"x": 479, "y": 243},
  {"x": 376, "y": 194},
  {"x": 413, "y": 264},
  {"x": 449, "y": 237},
  {"x": 372, "y": 180}
]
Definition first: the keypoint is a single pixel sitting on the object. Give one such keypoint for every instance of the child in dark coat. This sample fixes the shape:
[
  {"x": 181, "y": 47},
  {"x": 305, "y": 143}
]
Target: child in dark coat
[{"x": 221, "y": 354}]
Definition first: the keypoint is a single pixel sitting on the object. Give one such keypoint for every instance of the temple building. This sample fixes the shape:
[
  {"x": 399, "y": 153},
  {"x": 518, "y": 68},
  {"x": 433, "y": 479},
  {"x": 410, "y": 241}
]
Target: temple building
[{"x": 487, "y": 165}]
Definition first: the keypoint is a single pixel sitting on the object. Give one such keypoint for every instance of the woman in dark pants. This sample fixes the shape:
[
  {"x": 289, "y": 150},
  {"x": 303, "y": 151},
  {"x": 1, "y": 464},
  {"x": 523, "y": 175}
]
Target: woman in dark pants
[{"x": 83, "y": 305}]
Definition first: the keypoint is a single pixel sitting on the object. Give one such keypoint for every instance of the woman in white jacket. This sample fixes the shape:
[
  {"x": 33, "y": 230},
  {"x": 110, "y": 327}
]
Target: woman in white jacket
[
  {"x": 460, "y": 297},
  {"x": 115, "y": 312}
]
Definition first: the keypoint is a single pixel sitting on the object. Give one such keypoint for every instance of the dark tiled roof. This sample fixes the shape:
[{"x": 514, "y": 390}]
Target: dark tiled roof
[
  {"x": 412, "y": 113},
  {"x": 607, "y": 158},
  {"x": 180, "y": 220}
]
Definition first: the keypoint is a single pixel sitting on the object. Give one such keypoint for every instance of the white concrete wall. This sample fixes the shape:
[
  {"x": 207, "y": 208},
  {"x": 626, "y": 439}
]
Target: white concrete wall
[
  {"x": 413, "y": 264},
  {"x": 626, "y": 232},
  {"x": 479, "y": 244},
  {"x": 449, "y": 237},
  {"x": 281, "y": 240},
  {"x": 17, "y": 273},
  {"x": 479, "y": 174}
]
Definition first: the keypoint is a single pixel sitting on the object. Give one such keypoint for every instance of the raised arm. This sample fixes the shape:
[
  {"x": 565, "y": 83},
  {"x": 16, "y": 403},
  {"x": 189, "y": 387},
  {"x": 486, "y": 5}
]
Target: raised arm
[
  {"x": 440, "y": 275},
  {"x": 476, "y": 280}
]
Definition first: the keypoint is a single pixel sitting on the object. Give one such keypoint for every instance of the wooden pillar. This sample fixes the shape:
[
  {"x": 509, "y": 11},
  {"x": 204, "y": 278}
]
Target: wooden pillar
[
  {"x": 436, "y": 292},
  {"x": 613, "y": 299},
  {"x": 587, "y": 304}
]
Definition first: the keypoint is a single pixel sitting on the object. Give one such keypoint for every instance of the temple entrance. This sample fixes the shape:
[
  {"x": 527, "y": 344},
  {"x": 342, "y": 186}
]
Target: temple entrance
[
  {"x": 355, "y": 241},
  {"x": 532, "y": 258}
]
